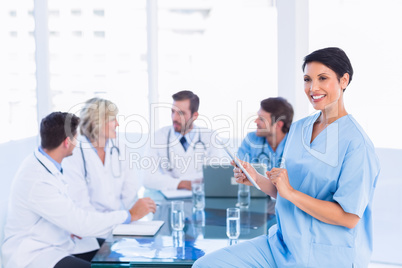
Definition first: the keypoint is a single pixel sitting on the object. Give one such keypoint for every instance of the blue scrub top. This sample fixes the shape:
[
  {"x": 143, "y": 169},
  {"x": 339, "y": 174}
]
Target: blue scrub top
[
  {"x": 340, "y": 165},
  {"x": 253, "y": 150}
]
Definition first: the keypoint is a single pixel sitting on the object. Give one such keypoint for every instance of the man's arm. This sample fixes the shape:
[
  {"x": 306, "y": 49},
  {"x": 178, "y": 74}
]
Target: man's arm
[
  {"x": 49, "y": 202},
  {"x": 154, "y": 177}
]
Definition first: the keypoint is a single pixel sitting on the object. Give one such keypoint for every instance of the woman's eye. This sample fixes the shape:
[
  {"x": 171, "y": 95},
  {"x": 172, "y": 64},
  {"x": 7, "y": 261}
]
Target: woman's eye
[
  {"x": 322, "y": 78},
  {"x": 306, "y": 79}
]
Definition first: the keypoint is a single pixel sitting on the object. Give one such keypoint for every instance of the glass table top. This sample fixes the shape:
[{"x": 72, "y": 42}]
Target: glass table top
[{"x": 204, "y": 232}]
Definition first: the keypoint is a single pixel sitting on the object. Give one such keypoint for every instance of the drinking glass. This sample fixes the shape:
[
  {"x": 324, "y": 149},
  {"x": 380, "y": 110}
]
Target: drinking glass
[
  {"x": 197, "y": 188},
  {"x": 233, "y": 223},
  {"x": 177, "y": 215},
  {"x": 198, "y": 222},
  {"x": 243, "y": 195},
  {"x": 179, "y": 244}
]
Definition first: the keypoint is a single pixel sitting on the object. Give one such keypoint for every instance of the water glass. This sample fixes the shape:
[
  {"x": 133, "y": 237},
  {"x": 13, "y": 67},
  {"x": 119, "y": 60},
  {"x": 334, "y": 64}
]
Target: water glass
[
  {"x": 177, "y": 215},
  {"x": 243, "y": 196},
  {"x": 197, "y": 188},
  {"x": 198, "y": 223},
  {"x": 179, "y": 243},
  {"x": 199, "y": 217},
  {"x": 233, "y": 223}
]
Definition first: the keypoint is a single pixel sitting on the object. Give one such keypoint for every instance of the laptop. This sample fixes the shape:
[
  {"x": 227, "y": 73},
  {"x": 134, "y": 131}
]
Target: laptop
[{"x": 219, "y": 181}]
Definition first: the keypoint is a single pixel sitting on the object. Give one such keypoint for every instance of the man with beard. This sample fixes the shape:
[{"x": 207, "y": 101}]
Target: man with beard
[{"x": 178, "y": 152}]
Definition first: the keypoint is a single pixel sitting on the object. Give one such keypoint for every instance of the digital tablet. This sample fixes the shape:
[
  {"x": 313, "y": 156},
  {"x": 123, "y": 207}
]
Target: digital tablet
[{"x": 237, "y": 162}]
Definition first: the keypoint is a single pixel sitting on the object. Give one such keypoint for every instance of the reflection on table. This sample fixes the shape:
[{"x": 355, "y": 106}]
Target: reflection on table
[{"x": 204, "y": 232}]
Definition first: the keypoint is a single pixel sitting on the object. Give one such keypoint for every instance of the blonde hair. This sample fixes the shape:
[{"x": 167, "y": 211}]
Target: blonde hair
[{"x": 95, "y": 114}]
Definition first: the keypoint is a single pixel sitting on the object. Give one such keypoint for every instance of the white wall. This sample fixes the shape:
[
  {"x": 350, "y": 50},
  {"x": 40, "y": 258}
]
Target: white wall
[{"x": 387, "y": 208}]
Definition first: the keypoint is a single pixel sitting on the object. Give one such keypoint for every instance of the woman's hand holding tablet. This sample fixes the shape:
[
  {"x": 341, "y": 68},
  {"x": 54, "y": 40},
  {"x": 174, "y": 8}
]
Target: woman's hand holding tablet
[
  {"x": 244, "y": 173},
  {"x": 238, "y": 163}
]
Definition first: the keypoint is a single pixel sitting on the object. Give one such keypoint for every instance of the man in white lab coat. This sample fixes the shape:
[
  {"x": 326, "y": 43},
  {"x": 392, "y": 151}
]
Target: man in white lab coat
[
  {"x": 43, "y": 222},
  {"x": 177, "y": 153}
]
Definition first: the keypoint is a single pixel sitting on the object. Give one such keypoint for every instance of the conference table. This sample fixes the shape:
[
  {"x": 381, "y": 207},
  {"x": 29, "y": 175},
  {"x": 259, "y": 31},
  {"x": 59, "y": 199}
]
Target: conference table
[{"x": 204, "y": 232}]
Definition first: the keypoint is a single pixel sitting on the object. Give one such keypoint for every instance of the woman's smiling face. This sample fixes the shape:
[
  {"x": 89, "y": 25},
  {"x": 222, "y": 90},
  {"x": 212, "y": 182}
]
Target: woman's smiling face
[{"x": 322, "y": 86}]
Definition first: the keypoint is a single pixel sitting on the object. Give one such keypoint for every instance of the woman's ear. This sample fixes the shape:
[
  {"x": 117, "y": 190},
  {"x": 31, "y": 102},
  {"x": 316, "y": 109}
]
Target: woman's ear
[{"x": 344, "y": 80}]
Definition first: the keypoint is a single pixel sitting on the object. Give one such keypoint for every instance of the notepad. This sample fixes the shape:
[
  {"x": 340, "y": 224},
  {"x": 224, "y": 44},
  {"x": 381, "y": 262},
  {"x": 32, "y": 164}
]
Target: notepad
[
  {"x": 172, "y": 194},
  {"x": 146, "y": 228}
]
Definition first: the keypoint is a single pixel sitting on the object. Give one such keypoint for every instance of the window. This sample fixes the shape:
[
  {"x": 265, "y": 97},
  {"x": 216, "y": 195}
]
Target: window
[
  {"x": 98, "y": 55},
  {"x": 77, "y": 33},
  {"x": 221, "y": 50},
  {"x": 99, "y": 34},
  {"x": 17, "y": 72},
  {"x": 54, "y": 13},
  {"x": 99, "y": 12},
  {"x": 76, "y": 12}
]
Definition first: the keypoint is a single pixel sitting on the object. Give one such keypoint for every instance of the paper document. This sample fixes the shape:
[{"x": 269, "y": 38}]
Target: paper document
[
  {"x": 172, "y": 194},
  {"x": 138, "y": 228}
]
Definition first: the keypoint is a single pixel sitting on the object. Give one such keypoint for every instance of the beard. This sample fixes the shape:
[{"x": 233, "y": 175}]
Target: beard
[
  {"x": 262, "y": 132},
  {"x": 182, "y": 128}
]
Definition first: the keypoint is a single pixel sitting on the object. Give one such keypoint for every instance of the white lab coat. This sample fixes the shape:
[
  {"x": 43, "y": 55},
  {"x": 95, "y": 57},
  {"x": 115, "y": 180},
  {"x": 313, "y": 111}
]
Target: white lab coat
[
  {"x": 42, "y": 216},
  {"x": 185, "y": 165},
  {"x": 102, "y": 189}
]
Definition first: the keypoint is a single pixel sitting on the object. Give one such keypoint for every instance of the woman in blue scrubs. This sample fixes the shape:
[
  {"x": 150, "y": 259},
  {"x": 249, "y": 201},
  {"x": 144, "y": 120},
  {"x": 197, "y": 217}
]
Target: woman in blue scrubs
[{"x": 325, "y": 188}]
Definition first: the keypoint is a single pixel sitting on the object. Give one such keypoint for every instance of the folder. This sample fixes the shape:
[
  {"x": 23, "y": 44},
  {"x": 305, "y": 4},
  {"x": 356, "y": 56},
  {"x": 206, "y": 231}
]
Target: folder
[{"x": 176, "y": 194}]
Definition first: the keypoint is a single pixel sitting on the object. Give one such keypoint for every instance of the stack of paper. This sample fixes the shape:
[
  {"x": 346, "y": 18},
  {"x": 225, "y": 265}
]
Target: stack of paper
[
  {"x": 172, "y": 194},
  {"x": 138, "y": 228}
]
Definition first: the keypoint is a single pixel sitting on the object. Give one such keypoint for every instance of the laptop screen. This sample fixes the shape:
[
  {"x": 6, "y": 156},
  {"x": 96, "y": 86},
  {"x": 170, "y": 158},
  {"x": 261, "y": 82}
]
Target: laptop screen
[{"x": 219, "y": 181}]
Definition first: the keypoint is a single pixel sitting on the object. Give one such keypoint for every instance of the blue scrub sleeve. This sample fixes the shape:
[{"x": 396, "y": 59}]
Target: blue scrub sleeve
[
  {"x": 357, "y": 179},
  {"x": 244, "y": 149}
]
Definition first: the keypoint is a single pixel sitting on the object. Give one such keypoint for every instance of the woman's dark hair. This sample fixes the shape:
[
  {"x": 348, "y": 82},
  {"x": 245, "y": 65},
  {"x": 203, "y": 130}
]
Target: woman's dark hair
[
  {"x": 56, "y": 127},
  {"x": 280, "y": 110},
  {"x": 188, "y": 95},
  {"x": 334, "y": 58}
]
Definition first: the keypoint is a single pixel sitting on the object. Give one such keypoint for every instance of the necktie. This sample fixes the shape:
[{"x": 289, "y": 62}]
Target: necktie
[{"x": 183, "y": 142}]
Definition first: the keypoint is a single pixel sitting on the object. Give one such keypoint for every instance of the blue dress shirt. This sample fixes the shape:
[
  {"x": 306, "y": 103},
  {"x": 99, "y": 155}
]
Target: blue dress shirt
[{"x": 58, "y": 165}]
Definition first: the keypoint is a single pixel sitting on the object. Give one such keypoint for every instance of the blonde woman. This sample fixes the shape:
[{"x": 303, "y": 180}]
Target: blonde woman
[{"x": 98, "y": 179}]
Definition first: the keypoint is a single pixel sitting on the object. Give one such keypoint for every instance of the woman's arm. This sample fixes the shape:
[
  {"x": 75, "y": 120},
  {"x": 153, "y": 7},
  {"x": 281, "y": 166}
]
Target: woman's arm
[
  {"x": 325, "y": 211},
  {"x": 264, "y": 183}
]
